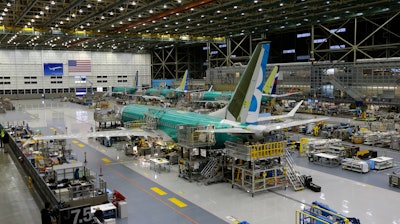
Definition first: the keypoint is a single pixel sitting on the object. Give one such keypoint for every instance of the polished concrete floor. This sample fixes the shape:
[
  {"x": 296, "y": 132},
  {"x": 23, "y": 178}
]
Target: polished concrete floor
[{"x": 352, "y": 195}]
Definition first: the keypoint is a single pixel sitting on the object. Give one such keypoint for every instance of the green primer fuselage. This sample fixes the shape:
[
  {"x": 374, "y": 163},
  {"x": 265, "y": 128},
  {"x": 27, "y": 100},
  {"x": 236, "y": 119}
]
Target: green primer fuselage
[
  {"x": 170, "y": 119},
  {"x": 225, "y": 95}
]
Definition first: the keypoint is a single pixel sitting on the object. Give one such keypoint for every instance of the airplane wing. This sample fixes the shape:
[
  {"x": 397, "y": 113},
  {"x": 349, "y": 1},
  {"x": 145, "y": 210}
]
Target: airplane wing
[
  {"x": 226, "y": 130},
  {"x": 276, "y": 117},
  {"x": 127, "y": 132},
  {"x": 283, "y": 125}
]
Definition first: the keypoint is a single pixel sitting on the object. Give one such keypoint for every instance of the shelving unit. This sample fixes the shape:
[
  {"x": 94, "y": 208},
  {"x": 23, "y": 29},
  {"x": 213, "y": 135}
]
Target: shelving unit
[
  {"x": 380, "y": 163},
  {"x": 355, "y": 165},
  {"x": 324, "y": 159}
]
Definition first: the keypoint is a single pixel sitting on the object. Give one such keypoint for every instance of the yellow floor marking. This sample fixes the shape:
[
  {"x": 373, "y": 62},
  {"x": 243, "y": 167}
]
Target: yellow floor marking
[
  {"x": 181, "y": 192},
  {"x": 33, "y": 117},
  {"x": 81, "y": 145},
  {"x": 158, "y": 191},
  {"x": 177, "y": 202},
  {"x": 106, "y": 160},
  {"x": 75, "y": 141}
]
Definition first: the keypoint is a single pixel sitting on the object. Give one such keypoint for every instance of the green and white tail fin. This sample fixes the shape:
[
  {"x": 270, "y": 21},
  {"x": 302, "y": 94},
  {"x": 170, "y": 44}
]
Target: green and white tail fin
[{"x": 245, "y": 103}]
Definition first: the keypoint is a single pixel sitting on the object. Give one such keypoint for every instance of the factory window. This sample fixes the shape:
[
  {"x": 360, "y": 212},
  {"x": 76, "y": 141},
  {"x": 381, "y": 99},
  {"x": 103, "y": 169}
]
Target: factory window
[
  {"x": 34, "y": 91},
  {"x": 8, "y": 92},
  {"x": 47, "y": 91},
  {"x": 59, "y": 82},
  {"x": 53, "y": 82},
  {"x": 27, "y": 82},
  {"x": 34, "y": 82},
  {"x": 33, "y": 77},
  {"x": 54, "y": 91},
  {"x": 7, "y": 77},
  {"x": 66, "y": 90},
  {"x": 14, "y": 92},
  {"x": 27, "y": 77},
  {"x": 40, "y": 91},
  {"x": 21, "y": 91},
  {"x": 1, "y": 92}
]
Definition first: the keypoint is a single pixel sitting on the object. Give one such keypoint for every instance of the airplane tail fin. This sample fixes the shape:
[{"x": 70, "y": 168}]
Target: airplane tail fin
[
  {"x": 184, "y": 83},
  {"x": 273, "y": 91},
  {"x": 245, "y": 103},
  {"x": 270, "y": 83}
]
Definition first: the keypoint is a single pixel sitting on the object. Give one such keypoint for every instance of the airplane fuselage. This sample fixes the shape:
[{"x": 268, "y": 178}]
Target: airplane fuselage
[
  {"x": 170, "y": 119},
  {"x": 223, "y": 95}
]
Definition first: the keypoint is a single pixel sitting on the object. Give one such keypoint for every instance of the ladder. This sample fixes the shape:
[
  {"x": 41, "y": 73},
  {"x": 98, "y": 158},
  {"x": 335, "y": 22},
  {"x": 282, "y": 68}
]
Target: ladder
[
  {"x": 292, "y": 172},
  {"x": 211, "y": 169}
]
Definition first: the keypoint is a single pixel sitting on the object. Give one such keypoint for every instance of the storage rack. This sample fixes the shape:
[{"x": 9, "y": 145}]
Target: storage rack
[
  {"x": 355, "y": 165},
  {"x": 257, "y": 167},
  {"x": 380, "y": 163}
]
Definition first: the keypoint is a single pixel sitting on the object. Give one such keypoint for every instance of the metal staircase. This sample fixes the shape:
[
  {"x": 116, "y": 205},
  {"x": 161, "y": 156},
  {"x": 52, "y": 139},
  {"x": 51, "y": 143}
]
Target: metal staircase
[
  {"x": 210, "y": 171},
  {"x": 347, "y": 89},
  {"x": 292, "y": 172}
]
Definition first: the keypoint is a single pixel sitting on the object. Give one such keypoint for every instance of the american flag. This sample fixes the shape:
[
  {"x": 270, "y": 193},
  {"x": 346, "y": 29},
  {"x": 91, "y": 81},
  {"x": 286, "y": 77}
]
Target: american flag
[{"x": 79, "y": 66}]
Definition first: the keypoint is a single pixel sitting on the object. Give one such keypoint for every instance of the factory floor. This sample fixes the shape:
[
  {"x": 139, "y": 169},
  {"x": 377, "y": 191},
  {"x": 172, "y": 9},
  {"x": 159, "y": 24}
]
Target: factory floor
[{"x": 185, "y": 202}]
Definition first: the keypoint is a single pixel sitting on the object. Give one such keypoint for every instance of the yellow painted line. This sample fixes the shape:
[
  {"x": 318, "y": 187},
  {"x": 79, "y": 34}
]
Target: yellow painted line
[
  {"x": 75, "y": 141},
  {"x": 33, "y": 117},
  {"x": 158, "y": 191},
  {"x": 81, "y": 145},
  {"x": 177, "y": 202},
  {"x": 106, "y": 160}
]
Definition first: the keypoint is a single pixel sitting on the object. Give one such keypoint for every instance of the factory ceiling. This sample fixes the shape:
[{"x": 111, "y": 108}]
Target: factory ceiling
[{"x": 142, "y": 25}]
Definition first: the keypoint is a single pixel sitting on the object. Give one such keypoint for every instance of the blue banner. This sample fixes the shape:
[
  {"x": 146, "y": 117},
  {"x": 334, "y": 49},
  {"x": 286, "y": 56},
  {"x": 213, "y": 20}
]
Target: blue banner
[{"x": 53, "y": 69}]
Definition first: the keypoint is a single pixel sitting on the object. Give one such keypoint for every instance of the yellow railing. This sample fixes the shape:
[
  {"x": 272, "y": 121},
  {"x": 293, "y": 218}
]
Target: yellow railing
[{"x": 266, "y": 150}]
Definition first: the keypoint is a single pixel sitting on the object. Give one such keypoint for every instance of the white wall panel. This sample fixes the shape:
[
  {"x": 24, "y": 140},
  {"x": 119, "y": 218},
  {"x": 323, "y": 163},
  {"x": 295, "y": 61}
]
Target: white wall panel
[
  {"x": 7, "y": 57},
  {"x": 19, "y": 64}
]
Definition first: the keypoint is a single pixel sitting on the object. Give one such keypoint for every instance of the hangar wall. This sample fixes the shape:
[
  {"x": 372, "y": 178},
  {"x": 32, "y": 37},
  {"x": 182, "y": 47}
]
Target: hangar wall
[{"x": 22, "y": 72}]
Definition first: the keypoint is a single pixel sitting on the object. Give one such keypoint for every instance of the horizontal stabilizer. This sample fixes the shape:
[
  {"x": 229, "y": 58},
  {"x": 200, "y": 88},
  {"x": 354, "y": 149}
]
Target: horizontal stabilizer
[
  {"x": 281, "y": 95},
  {"x": 277, "y": 117}
]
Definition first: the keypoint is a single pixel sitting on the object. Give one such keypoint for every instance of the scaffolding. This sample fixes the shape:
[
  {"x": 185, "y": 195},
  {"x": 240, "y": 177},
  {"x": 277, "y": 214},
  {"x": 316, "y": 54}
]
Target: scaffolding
[
  {"x": 257, "y": 167},
  {"x": 194, "y": 159}
]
